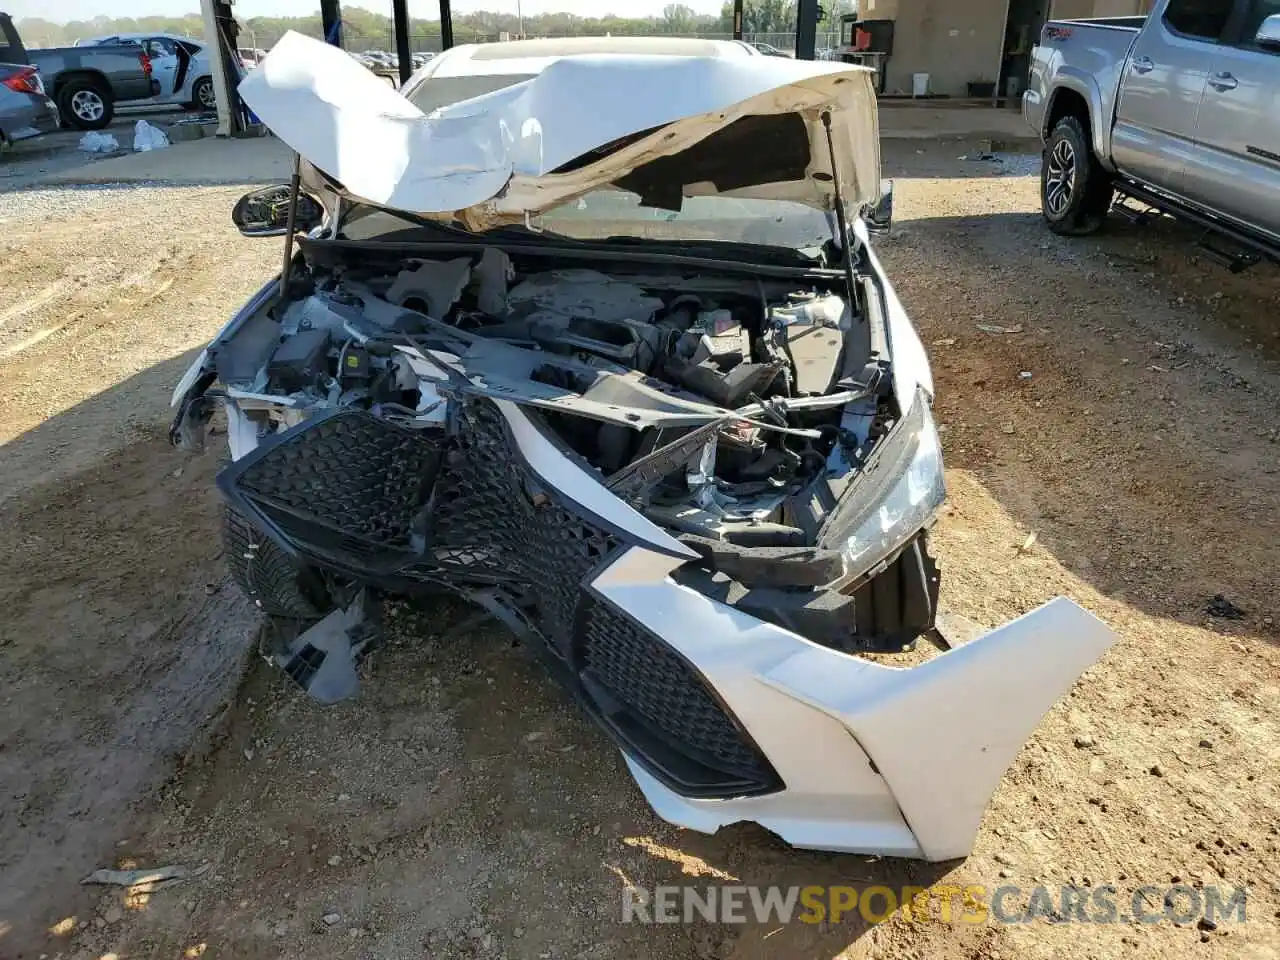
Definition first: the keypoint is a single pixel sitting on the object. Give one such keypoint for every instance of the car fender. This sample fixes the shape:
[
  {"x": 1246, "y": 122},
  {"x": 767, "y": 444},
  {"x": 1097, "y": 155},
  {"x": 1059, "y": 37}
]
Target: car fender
[{"x": 1086, "y": 85}]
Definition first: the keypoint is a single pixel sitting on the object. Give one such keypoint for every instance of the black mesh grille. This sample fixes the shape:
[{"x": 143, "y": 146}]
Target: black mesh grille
[
  {"x": 492, "y": 514},
  {"x": 491, "y": 523},
  {"x": 352, "y": 473},
  {"x": 657, "y": 685},
  {"x": 493, "y": 518}
]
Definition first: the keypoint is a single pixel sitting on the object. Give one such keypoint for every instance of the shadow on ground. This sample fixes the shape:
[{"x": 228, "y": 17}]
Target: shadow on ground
[{"x": 119, "y": 641}]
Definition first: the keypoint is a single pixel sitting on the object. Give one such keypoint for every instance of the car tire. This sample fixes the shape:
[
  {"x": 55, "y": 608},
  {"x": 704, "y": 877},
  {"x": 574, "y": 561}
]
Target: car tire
[
  {"x": 1075, "y": 191},
  {"x": 267, "y": 575},
  {"x": 86, "y": 104},
  {"x": 202, "y": 96}
]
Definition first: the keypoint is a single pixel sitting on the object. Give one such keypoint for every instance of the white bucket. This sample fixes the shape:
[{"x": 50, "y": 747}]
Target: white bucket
[{"x": 919, "y": 84}]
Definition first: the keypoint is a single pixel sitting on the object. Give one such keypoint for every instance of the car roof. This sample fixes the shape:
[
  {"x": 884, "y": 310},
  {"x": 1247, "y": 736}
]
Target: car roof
[
  {"x": 136, "y": 35},
  {"x": 532, "y": 56}
]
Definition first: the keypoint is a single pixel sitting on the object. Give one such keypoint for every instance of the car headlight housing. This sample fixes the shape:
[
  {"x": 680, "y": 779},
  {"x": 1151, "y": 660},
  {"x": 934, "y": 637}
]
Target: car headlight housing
[{"x": 894, "y": 497}]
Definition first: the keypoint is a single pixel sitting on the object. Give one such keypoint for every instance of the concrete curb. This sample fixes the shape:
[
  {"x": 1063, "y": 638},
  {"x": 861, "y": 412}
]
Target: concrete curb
[{"x": 992, "y": 140}]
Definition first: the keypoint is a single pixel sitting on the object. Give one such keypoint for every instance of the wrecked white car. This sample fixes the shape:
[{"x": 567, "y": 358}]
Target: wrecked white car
[{"x": 591, "y": 334}]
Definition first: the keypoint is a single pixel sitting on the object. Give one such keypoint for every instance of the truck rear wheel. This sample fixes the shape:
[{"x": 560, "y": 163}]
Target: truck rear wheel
[
  {"x": 267, "y": 575},
  {"x": 1075, "y": 191},
  {"x": 85, "y": 104}
]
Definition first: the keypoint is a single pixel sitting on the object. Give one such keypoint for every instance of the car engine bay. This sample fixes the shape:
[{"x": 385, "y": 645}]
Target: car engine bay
[{"x": 725, "y": 407}]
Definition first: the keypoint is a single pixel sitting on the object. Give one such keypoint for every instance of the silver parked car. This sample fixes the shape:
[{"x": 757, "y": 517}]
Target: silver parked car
[
  {"x": 25, "y": 109},
  {"x": 180, "y": 65},
  {"x": 1180, "y": 110}
]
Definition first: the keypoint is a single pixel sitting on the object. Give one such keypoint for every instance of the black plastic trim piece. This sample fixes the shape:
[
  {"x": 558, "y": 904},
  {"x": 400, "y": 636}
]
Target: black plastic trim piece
[
  {"x": 683, "y": 767},
  {"x": 1177, "y": 208}
]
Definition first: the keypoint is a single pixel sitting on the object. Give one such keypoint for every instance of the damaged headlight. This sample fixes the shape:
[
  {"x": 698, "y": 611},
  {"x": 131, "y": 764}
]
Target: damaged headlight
[{"x": 897, "y": 495}]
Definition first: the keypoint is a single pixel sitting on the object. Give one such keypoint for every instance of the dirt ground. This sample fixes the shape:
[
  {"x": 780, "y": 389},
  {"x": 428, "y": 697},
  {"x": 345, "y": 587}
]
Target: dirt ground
[{"x": 460, "y": 806}]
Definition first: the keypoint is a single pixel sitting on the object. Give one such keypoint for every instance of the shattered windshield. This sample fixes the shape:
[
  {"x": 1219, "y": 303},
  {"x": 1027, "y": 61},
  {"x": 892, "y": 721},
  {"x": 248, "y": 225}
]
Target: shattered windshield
[
  {"x": 603, "y": 214},
  {"x": 619, "y": 214},
  {"x": 614, "y": 212}
]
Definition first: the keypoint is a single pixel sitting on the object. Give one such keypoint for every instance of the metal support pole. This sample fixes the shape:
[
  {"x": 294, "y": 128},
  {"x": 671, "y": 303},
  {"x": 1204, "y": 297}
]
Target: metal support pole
[
  {"x": 224, "y": 83},
  {"x": 737, "y": 19},
  {"x": 807, "y": 13},
  {"x": 331, "y": 20},
  {"x": 446, "y": 25},
  {"x": 400, "y": 14}
]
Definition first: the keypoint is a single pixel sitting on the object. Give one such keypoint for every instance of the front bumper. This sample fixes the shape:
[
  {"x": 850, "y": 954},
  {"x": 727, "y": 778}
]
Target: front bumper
[{"x": 722, "y": 715}]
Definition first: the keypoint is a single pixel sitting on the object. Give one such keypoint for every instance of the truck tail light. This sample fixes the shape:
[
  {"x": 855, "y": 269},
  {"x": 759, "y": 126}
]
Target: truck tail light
[
  {"x": 25, "y": 80},
  {"x": 144, "y": 58}
]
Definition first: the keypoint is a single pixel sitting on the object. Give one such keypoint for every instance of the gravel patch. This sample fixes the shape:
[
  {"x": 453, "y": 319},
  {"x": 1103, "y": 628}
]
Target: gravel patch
[{"x": 99, "y": 198}]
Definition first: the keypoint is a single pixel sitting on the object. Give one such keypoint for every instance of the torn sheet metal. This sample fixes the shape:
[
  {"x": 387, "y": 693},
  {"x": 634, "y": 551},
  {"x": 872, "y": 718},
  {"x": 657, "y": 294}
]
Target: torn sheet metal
[
  {"x": 875, "y": 759},
  {"x": 491, "y": 159}
]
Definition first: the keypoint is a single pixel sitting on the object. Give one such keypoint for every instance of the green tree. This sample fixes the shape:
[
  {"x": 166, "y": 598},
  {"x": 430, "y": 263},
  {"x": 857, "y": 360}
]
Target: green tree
[{"x": 679, "y": 18}]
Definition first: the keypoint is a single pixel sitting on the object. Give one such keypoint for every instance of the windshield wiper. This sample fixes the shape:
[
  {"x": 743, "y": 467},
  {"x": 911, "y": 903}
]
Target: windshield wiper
[
  {"x": 447, "y": 229},
  {"x": 801, "y": 256}
]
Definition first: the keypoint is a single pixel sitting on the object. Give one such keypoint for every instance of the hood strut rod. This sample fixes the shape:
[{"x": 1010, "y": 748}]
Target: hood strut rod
[
  {"x": 842, "y": 222},
  {"x": 291, "y": 221}
]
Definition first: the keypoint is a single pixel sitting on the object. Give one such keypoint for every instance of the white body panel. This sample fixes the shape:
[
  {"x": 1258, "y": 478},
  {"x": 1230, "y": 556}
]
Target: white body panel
[
  {"x": 882, "y": 760},
  {"x": 491, "y": 159}
]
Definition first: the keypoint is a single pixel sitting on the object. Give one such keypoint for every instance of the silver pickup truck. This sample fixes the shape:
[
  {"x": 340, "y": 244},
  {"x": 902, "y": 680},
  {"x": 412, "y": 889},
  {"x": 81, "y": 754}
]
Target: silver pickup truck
[{"x": 1179, "y": 110}]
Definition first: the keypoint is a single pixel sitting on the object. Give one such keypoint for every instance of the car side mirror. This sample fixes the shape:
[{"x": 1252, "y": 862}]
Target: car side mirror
[
  {"x": 265, "y": 212},
  {"x": 1269, "y": 31},
  {"x": 879, "y": 215}
]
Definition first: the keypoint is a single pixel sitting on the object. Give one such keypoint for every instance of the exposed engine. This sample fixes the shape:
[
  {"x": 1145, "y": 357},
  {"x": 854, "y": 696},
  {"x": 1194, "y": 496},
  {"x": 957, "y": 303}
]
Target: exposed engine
[{"x": 712, "y": 403}]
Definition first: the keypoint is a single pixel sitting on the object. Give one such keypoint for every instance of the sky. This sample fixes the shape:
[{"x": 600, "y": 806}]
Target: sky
[{"x": 65, "y": 10}]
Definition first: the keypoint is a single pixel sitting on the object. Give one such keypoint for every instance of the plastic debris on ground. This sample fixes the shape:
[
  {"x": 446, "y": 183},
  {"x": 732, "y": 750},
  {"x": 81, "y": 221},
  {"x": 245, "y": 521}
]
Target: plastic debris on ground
[
  {"x": 94, "y": 142},
  {"x": 1224, "y": 609},
  {"x": 152, "y": 879},
  {"x": 147, "y": 137}
]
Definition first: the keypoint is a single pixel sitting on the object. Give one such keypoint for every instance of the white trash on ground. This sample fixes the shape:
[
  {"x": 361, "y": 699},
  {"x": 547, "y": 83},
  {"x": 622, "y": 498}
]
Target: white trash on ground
[
  {"x": 154, "y": 879},
  {"x": 94, "y": 142},
  {"x": 146, "y": 137}
]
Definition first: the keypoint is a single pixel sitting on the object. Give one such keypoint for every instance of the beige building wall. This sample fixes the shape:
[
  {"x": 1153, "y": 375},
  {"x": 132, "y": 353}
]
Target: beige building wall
[
  {"x": 958, "y": 43},
  {"x": 954, "y": 43},
  {"x": 1079, "y": 9}
]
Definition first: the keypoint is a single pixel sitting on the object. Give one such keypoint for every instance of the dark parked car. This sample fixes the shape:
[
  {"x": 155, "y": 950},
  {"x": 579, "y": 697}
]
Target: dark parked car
[
  {"x": 86, "y": 82},
  {"x": 25, "y": 110}
]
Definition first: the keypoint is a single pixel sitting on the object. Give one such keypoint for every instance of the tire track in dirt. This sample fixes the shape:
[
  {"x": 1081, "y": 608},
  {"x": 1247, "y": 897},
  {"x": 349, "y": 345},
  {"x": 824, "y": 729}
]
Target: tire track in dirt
[{"x": 119, "y": 637}]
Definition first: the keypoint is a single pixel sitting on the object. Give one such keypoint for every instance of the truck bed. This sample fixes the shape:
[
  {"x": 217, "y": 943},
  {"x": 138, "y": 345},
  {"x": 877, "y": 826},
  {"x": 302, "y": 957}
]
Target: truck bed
[
  {"x": 1086, "y": 57},
  {"x": 1119, "y": 23},
  {"x": 116, "y": 63}
]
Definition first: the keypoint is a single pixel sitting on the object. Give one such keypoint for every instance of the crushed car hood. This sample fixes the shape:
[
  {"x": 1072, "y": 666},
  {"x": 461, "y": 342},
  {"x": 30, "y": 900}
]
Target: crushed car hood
[{"x": 582, "y": 123}]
